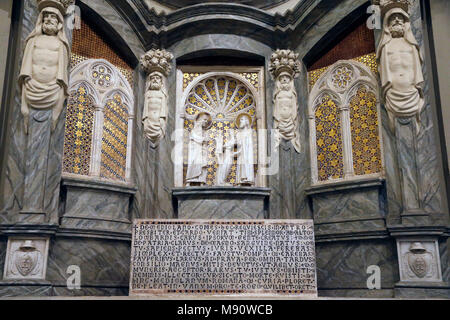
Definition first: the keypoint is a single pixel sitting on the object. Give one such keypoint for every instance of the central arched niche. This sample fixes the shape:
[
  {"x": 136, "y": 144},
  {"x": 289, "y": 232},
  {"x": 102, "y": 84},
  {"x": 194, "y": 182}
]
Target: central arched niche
[{"x": 224, "y": 92}]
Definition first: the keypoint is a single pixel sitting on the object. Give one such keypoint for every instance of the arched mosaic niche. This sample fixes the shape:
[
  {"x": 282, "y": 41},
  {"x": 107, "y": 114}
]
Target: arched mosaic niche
[
  {"x": 344, "y": 117},
  {"x": 225, "y": 96},
  {"x": 99, "y": 122}
]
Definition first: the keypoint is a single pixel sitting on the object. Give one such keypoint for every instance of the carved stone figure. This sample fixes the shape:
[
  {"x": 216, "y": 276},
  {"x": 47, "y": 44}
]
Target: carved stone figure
[
  {"x": 198, "y": 158},
  {"x": 400, "y": 65},
  {"x": 285, "y": 67},
  {"x": 225, "y": 155},
  {"x": 245, "y": 174},
  {"x": 44, "y": 75},
  {"x": 157, "y": 64},
  {"x": 155, "y": 109}
]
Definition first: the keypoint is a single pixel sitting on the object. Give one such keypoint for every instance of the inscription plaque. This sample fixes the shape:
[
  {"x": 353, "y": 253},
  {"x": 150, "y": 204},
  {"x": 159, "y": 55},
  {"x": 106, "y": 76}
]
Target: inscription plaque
[{"x": 223, "y": 257}]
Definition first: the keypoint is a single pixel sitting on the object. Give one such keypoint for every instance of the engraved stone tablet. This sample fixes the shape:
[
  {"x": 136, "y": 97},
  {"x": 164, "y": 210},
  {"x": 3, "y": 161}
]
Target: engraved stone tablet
[{"x": 270, "y": 257}]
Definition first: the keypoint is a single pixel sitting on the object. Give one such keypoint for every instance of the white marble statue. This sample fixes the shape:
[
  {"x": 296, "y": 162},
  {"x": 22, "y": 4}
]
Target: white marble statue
[
  {"x": 198, "y": 157},
  {"x": 285, "y": 112},
  {"x": 400, "y": 65},
  {"x": 285, "y": 67},
  {"x": 44, "y": 75},
  {"x": 225, "y": 156},
  {"x": 157, "y": 64},
  {"x": 245, "y": 173},
  {"x": 155, "y": 109}
]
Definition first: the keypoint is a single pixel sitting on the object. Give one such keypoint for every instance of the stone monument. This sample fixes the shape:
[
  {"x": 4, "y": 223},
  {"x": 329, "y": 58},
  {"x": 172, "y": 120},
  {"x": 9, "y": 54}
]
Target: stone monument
[{"x": 223, "y": 257}]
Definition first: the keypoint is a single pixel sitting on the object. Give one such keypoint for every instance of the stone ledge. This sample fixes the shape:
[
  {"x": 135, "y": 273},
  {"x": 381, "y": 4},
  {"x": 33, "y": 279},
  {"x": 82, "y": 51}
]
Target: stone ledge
[
  {"x": 97, "y": 184},
  {"x": 200, "y": 191},
  {"x": 406, "y": 231},
  {"x": 345, "y": 185}
]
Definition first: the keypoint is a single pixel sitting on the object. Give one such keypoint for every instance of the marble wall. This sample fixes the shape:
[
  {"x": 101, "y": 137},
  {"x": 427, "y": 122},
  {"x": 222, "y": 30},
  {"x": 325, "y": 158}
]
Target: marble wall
[{"x": 89, "y": 223}]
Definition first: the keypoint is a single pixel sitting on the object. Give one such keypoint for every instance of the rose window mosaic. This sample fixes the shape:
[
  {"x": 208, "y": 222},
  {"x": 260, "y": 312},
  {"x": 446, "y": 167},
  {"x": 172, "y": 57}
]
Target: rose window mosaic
[
  {"x": 369, "y": 60},
  {"x": 78, "y": 133},
  {"x": 101, "y": 75},
  {"x": 342, "y": 77},
  {"x": 224, "y": 98},
  {"x": 330, "y": 161},
  {"x": 365, "y": 132},
  {"x": 114, "y": 140}
]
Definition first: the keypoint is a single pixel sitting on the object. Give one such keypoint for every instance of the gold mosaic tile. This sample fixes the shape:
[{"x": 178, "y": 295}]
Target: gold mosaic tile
[
  {"x": 330, "y": 156},
  {"x": 78, "y": 132},
  {"x": 365, "y": 133},
  {"x": 114, "y": 141}
]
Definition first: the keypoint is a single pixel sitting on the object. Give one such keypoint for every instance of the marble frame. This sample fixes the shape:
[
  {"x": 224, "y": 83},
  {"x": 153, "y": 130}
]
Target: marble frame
[
  {"x": 182, "y": 95},
  {"x": 44, "y": 247},
  {"x": 80, "y": 75},
  {"x": 362, "y": 75}
]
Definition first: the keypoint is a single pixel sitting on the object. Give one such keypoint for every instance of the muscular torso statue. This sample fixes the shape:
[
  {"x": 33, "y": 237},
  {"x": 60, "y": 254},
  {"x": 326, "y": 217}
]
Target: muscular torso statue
[
  {"x": 154, "y": 101},
  {"x": 401, "y": 64},
  {"x": 284, "y": 102},
  {"x": 45, "y": 58}
]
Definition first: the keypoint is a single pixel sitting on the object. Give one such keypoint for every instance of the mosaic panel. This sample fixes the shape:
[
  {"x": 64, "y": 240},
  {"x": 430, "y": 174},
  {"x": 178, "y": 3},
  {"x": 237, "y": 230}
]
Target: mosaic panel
[
  {"x": 77, "y": 59},
  {"x": 252, "y": 77},
  {"x": 114, "y": 140},
  {"x": 78, "y": 133},
  {"x": 188, "y": 77},
  {"x": 225, "y": 99},
  {"x": 365, "y": 133},
  {"x": 369, "y": 60},
  {"x": 330, "y": 161}
]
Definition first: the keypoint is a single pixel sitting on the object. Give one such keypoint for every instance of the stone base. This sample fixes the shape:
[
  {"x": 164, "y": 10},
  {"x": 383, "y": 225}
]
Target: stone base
[
  {"x": 221, "y": 202},
  {"x": 427, "y": 290}
]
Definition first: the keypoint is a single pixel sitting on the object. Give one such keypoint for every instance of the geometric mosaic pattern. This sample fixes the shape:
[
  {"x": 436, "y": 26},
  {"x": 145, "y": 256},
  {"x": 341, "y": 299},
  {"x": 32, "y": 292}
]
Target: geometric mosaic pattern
[
  {"x": 365, "y": 134},
  {"x": 330, "y": 156},
  {"x": 78, "y": 132},
  {"x": 224, "y": 98},
  {"x": 114, "y": 140}
]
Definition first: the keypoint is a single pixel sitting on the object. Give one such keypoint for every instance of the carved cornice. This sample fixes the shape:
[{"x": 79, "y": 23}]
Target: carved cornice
[{"x": 164, "y": 29}]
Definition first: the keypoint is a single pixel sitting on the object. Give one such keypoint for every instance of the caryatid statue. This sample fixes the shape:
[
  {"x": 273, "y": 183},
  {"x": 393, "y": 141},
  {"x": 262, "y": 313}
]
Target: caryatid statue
[
  {"x": 400, "y": 64},
  {"x": 157, "y": 63},
  {"x": 44, "y": 74},
  {"x": 285, "y": 67}
]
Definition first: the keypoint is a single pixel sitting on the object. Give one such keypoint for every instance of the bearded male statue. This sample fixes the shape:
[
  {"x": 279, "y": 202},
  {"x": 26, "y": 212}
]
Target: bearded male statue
[
  {"x": 157, "y": 64},
  {"x": 400, "y": 64},
  {"x": 285, "y": 112},
  {"x": 285, "y": 67},
  {"x": 44, "y": 76},
  {"x": 155, "y": 110}
]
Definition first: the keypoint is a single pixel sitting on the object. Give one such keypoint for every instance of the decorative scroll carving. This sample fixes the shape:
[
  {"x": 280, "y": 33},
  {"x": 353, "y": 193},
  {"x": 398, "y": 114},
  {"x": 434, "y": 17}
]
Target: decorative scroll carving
[
  {"x": 285, "y": 67},
  {"x": 157, "y": 63}
]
